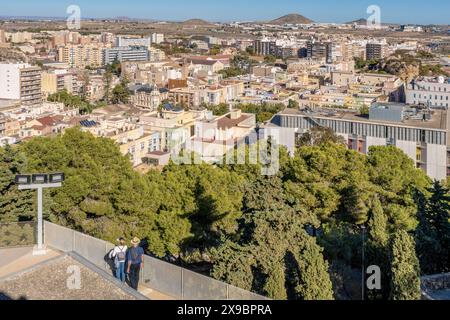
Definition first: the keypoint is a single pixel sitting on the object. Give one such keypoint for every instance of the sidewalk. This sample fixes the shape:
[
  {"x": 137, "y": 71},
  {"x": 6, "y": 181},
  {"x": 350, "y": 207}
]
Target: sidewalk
[
  {"x": 14, "y": 260},
  {"x": 153, "y": 294}
]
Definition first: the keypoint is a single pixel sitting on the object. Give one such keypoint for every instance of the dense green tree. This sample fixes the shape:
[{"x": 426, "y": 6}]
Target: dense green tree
[
  {"x": 215, "y": 49},
  {"x": 114, "y": 68},
  {"x": 231, "y": 72},
  {"x": 275, "y": 278},
  {"x": 263, "y": 112},
  {"x": 107, "y": 79},
  {"x": 270, "y": 230},
  {"x": 313, "y": 280},
  {"x": 433, "y": 232},
  {"x": 73, "y": 101},
  {"x": 17, "y": 234},
  {"x": 293, "y": 104},
  {"x": 405, "y": 278},
  {"x": 318, "y": 136},
  {"x": 250, "y": 50},
  {"x": 378, "y": 225},
  {"x": 396, "y": 179},
  {"x": 270, "y": 59},
  {"x": 218, "y": 110},
  {"x": 15, "y": 205},
  {"x": 235, "y": 264},
  {"x": 377, "y": 249},
  {"x": 120, "y": 94}
]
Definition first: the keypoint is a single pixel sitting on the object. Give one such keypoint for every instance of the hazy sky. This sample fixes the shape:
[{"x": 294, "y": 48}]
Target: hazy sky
[{"x": 400, "y": 11}]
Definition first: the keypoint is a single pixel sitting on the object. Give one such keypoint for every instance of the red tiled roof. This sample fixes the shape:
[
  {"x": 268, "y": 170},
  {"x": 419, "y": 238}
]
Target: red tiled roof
[
  {"x": 203, "y": 61},
  {"x": 226, "y": 122},
  {"x": 50, "y": 120}
]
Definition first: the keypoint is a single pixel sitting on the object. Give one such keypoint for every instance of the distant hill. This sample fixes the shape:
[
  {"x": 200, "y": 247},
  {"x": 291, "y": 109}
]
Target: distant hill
[
  {"x": 293, "y": 18},
  {"x": 196, "y": 22},
  {"x": 360, "y": 22},
  {"x": 363, "y": 21}
]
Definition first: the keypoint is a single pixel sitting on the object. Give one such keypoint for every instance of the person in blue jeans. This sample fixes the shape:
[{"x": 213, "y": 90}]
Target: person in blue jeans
[
  {"x": 135, "y": 262},
  {"x": 119, "y": 254}
]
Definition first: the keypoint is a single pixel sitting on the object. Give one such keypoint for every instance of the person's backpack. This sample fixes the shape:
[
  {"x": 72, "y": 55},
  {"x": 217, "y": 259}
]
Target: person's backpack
[{"x": 121, "y": 256}]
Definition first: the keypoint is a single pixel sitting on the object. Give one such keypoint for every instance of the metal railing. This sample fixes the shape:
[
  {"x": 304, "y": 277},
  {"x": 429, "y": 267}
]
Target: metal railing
[
  {"x": 17, "y": 234},
  {"x": 165, "y": 278}
]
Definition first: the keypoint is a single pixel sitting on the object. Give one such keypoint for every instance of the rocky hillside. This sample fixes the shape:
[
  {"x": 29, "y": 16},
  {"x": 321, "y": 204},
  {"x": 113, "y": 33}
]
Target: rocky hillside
[
  {"x": 293, "y": 18},
  {"x": 196, "y": 22}
]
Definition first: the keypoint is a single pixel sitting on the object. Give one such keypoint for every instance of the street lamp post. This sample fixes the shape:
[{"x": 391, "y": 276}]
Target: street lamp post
[
  {"x": 39, "y": 182},
  {"x": 363, "y": 271}
]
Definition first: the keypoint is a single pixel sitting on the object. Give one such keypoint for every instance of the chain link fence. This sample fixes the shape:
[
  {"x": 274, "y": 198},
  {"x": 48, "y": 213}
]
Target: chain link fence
[
  {"x": 168, "y": 279},
  {"x": 17, "y": 234}
]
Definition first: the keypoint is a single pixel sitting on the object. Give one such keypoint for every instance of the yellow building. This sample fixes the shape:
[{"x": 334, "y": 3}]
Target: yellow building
[
  {"x": 187, "y": 97},
  {"x": 80, "y": 56}
]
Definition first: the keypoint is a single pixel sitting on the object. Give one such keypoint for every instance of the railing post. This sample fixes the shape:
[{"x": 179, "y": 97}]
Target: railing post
[
  {"x": 106, "y": 252},
  {"x": 141, "y": 272},
  {"x": 182, "y": 284},
  {"x": 44, "y": 240},
  {"x": 40, "y": 244},
  {"x": 73, "y": 241}
]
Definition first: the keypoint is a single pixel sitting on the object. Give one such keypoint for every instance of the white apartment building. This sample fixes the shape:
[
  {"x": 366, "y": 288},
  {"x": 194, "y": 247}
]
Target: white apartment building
[
  {"x": 133, "y": 42},
  {"x": 125, "y": 54},
  {"x": 156, "y": 54},
  {"x": 157, "y": 38},
  {"x": 421, "y": 134},
  {"x": 21, "y": 82},
  {"x": 19, "y": 37},
  {"x": 216, "y": 136},
  {"x": 430, "y": 92}
]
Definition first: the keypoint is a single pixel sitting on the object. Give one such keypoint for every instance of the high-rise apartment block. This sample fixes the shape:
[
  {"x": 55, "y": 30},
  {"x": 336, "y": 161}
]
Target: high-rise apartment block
[
  {"x": 107, "y": 37},
  {"x": 319, "y": 50},
  {"x": 57, "y": 80},
  {"x": 81, "y": 56},
  {"x": 264, "y": 47},
  {"x": 157, "y": 38},
  {"x": 61, "y": 38},
  {"x": 125, "y": 54},
  {"x": 21, "y": 82},
  {"x": 284, "y": 48},
  {"x": 375, "y": 51}
]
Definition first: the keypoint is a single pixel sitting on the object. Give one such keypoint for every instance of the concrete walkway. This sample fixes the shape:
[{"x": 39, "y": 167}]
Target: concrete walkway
[
  {"x": 153, "y": 294},
  {"x": 10, "y": 254},
  {"x": 14, "y": 260}
]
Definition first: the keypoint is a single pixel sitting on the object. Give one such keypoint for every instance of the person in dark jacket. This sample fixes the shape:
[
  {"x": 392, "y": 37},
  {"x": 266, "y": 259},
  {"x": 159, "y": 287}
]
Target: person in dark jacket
[{"x": 135, "y": 258}]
